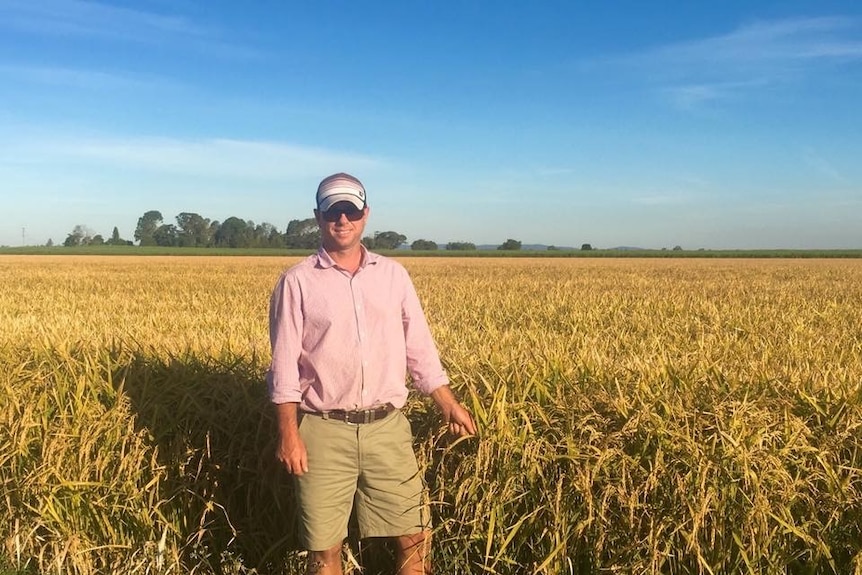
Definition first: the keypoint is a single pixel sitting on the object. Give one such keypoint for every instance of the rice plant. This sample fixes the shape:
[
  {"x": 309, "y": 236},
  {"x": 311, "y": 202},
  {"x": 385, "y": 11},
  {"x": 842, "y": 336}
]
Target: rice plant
[{"x": 636, "y": 416}]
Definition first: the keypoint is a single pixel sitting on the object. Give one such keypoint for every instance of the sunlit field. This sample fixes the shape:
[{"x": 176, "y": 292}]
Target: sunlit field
[{"x": 636, "y": 416}]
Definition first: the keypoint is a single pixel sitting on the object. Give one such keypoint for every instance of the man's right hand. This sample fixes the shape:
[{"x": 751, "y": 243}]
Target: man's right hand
[
  {"x": 291, "y": 449},
  {"x": 292, "y": 454}
]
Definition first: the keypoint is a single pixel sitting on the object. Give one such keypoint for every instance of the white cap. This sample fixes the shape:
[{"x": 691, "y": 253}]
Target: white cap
[{"x": 340, "y": 187}]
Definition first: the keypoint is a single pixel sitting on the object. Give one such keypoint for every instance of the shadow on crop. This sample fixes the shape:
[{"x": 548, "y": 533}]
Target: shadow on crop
[{"x": 223, "y": 494}]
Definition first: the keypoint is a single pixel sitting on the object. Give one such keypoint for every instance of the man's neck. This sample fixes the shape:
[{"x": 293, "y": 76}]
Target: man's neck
[{"x": 348, "y": 260}]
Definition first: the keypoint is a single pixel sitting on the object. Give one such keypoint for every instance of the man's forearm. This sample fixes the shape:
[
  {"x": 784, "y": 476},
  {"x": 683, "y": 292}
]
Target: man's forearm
[
  {"x": 288, "y": 420},
  {"x": 444, "y": 398}
]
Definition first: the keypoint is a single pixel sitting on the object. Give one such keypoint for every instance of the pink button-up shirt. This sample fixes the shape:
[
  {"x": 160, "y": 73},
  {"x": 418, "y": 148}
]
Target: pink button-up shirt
[{"x": 342, "y": 341}]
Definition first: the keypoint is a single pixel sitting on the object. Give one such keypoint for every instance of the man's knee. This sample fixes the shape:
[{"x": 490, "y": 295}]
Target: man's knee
[
  {"x": 412, "y": 552},
  {"x": 324, "y": 561},
  {"x": 407, "y": 542}
]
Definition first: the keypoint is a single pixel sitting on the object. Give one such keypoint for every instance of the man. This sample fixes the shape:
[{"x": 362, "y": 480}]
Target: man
[{"x": 346, "y": 327}]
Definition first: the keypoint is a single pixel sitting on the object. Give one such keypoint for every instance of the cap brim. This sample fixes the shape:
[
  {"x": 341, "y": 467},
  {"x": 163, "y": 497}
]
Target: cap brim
[{"x": 329, "y": 201}]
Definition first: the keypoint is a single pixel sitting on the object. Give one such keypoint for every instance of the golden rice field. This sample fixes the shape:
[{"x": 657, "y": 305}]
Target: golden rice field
[{"x": 637, "y": 416}]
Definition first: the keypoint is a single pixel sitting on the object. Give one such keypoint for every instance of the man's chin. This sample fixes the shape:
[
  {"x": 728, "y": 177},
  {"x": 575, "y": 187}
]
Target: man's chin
[{"x": 341, "y": 244}]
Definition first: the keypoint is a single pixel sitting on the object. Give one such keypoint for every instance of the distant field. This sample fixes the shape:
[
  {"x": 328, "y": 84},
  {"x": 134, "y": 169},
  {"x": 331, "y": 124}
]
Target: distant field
[
  {"x": 556, "y": 253},
  {"x": 637, "y": 416}
]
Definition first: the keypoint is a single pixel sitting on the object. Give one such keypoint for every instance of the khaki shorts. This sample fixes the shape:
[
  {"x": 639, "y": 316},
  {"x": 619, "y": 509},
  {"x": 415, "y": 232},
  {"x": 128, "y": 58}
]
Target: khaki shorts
[{"x": 369, "y": 467}]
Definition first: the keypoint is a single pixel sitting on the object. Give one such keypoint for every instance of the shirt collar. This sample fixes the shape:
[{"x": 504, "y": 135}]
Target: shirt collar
[{"x": 325, "y": 261}]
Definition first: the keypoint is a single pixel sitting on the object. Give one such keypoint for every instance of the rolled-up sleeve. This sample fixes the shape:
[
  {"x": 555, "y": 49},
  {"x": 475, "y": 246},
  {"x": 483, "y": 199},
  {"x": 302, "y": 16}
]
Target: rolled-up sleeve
[
  {"x": 285, "y": 337},
  {"x": 423, "y": 360}
]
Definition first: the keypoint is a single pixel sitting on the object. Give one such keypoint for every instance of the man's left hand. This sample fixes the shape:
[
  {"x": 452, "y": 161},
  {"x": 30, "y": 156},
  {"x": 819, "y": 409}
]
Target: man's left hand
[
  {"x": 460, "y": 421},
  {"x": 454, "y": 414}
]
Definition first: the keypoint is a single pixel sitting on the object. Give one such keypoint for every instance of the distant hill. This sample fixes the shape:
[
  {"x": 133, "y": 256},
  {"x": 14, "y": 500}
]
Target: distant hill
[
  {"x": 524, "y": 247},
  {"x": 534, "y": 247},
  {"x": 542, "y": 247}
]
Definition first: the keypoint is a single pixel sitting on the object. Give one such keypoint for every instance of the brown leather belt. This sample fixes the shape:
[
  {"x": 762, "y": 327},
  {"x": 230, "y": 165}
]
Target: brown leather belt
[{"x": 357, "y": 416}]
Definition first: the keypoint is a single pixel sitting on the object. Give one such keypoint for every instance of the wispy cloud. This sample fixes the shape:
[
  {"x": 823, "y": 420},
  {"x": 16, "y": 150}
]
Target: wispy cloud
[
  {"x": 81, "y": 18},
  {"x": 93, "y": 19},
  {"x": 207, "y": 159},
  {"x": 767, "y": 43},
  {"x": 821, "y": 165},
  {"x": 79, "y": 78},
  {"x": 751, "y": 57},
  {"x": 690, "y": 96}
]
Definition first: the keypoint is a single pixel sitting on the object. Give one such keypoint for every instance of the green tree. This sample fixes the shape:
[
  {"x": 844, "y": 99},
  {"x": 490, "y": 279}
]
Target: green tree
[
  {"x": 193, "y": 230},
  {"x": 510, "y": 244},
  {"x": 79, "y": 236},
  {"x": 267, "y": 235},
  {"x": 423, "y": 245},
  {"x": 586, "y": 247},
  {"x": 116, "y": 240},
  {"x": 302, "y": 234},
  {"x": 166, "y": 235},
  {"x": 147, "y": 226},
  {"x": 385, "y": 241},
  {"x": 460, "y": 246},
  {"x": 234, "y": 233},
  {"x": 215, "y": 226}
]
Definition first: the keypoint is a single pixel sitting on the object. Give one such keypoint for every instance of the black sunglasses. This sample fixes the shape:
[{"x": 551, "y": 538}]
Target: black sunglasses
[{"x": 334, "y": 214}]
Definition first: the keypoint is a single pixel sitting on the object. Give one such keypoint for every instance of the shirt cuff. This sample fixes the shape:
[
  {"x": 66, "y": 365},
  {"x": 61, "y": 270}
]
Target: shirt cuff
[
  {"x": 428, "y": 386},
  {"x": 281, "y": 391}
]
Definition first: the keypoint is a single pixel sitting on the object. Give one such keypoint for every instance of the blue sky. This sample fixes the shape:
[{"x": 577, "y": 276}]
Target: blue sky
[{"x": 653, "y": 124}]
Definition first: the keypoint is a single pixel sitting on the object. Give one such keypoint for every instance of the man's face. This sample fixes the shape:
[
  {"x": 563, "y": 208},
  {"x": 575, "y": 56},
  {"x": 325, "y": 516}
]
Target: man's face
[{"x": 341, "y": 226}]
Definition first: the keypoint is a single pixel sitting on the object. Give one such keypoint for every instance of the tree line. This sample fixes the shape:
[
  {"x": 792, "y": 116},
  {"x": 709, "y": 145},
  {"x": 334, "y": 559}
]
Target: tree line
[
  {"x": 82, "y": 236},
  {"x": 195, "y": 231}
]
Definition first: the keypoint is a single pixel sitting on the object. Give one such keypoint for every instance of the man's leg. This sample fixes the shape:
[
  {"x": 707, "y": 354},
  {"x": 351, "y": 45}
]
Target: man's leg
[
  {"x": 411, "y": 554},
  {"x": 326, "y": 562},
  {"x": 391, "y": 497},
  {"x": 325, "y": 492}
]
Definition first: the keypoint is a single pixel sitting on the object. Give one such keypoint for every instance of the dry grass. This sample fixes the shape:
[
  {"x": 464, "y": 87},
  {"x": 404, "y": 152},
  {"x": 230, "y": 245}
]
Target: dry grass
[{"x": 638, "y": 416}]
